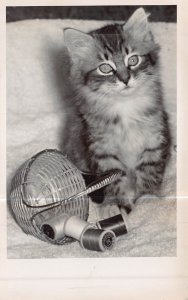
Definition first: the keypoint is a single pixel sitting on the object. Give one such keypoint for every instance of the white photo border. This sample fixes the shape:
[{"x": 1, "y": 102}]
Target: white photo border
[{"x": 110, "y": 277}]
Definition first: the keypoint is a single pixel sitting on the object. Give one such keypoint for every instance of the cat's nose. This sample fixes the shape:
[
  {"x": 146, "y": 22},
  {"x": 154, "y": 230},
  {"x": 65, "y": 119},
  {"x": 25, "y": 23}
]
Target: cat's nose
[
  {"x": 124, "y": 78},
  {"x": 126, "y": 81}
]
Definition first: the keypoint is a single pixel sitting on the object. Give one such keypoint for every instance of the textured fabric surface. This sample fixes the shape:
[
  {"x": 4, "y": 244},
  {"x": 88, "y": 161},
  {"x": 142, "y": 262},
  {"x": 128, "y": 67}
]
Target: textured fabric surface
[{"x": 36, "y": 115}]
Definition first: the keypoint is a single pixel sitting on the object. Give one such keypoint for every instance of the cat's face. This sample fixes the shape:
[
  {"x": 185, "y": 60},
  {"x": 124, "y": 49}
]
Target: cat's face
[{"x": 116, "y": 59}]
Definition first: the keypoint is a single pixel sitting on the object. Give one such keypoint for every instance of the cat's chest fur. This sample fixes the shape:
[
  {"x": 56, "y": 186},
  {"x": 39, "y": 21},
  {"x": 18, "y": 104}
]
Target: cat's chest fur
[
  {"x": 131, "y": 140},
  {"x": 134, "y": 131}
]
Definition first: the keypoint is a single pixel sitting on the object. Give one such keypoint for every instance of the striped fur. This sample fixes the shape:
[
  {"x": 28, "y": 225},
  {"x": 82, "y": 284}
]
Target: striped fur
[{"x": 119, "y": 121}]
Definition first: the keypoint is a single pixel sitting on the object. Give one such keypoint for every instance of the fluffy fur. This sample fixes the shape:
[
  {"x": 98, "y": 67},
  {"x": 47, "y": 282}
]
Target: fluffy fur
[{"x": 119, "y": 121}]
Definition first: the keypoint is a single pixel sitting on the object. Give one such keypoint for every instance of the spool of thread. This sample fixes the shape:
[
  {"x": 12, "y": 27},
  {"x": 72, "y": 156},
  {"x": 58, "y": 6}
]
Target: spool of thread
[
  {"x": 75, "y": 227},
  {"x": 98, "y": 239},
  {"x": 53, "y": 227},
  {"x": 90, "y": 238},
  {"x": 60, "y": 225},
  {"x": 116, "y": 224}
]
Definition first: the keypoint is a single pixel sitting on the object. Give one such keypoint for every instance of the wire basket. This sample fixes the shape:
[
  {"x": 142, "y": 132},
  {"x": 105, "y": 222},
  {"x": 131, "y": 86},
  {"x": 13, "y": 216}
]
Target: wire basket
[
  {"x": 42, "y": 187},
  {"x": 47, "y": 185}
]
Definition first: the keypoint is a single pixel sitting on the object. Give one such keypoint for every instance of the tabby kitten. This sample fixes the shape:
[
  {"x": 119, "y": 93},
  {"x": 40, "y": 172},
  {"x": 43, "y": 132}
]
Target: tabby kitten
[{"x": 119, "y": 121}]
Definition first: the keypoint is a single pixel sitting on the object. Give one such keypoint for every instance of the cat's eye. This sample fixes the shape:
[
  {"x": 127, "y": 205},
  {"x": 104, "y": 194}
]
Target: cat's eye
[
  {"x": 106, "y": 69},
  {"x": 133, "y": 61}
]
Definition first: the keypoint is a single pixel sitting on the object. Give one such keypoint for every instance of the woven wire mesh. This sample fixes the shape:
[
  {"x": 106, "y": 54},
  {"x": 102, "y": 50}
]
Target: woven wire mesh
[{"x": 40, "y": 190}]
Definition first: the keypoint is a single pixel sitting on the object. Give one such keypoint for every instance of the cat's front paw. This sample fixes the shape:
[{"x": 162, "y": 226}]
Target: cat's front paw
[
  {"x": 126, "y": 208},
  {"x": 126, "y": 203}
]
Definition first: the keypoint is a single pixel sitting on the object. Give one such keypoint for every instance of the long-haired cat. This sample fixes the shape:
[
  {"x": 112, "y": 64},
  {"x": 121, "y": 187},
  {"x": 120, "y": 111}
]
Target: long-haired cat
[{"x": 119, "y": 121}]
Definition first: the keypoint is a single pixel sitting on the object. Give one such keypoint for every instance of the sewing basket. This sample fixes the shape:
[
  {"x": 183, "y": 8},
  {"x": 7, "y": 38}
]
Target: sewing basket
[
  {"x": 48, "y": 185},
  {"x": 42, "y": 187}
]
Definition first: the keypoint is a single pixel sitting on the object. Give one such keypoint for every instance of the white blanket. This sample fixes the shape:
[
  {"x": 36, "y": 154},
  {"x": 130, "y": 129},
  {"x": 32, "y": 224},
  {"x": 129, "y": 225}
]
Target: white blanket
[{"x": 36, "y": 111}]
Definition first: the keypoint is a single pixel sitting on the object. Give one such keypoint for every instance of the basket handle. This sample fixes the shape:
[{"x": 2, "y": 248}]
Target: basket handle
[{"x": 95, "y": 185}]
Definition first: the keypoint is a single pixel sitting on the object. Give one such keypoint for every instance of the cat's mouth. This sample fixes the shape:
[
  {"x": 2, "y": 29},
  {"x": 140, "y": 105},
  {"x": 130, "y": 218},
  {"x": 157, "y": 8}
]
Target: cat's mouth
[{"x": 125, "y": 88}]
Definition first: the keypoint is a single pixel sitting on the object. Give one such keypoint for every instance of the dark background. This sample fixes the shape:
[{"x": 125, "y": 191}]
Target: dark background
[{"x": 159, "y": 13}]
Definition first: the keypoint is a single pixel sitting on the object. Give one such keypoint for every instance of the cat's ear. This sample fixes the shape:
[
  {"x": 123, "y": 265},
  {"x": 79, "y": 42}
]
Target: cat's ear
[
  {"x": 78, "y": 42},
  {"x": 137, "y": 24}
]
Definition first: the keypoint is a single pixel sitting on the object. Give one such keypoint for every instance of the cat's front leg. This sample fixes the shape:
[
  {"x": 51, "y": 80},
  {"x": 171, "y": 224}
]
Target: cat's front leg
[
  {"x": 150, "y": 171},
  {"x": 121, "y": 193},
  {"x": 108, "y": 199}
]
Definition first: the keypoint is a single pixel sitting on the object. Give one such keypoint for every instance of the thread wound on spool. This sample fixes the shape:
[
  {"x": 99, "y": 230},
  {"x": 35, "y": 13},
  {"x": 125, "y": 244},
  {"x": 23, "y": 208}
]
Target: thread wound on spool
[
  {"x": 75, "y": 226},
  {"x": 98, "y": 239},
  {"x": 115, "y": 223}
]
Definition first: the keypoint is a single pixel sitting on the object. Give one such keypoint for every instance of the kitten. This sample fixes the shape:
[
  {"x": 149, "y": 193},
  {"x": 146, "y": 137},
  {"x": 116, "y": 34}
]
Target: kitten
[{"x": 119, "y": 121}]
